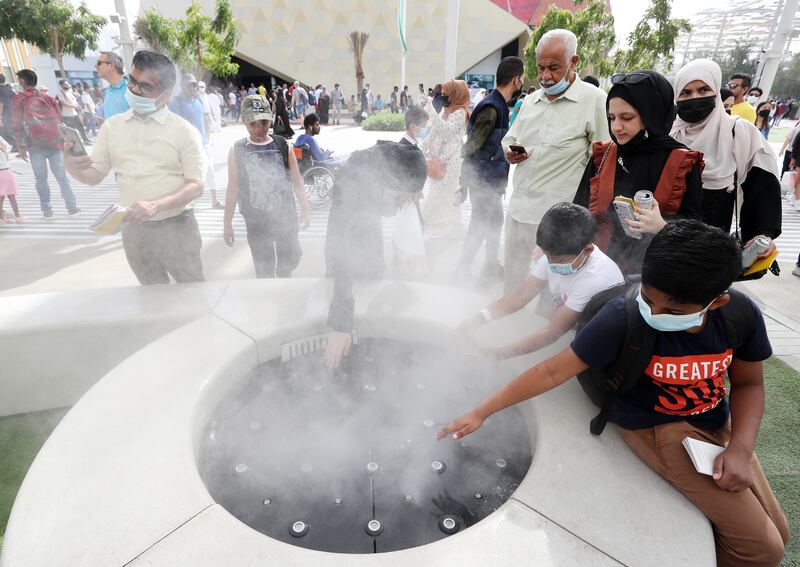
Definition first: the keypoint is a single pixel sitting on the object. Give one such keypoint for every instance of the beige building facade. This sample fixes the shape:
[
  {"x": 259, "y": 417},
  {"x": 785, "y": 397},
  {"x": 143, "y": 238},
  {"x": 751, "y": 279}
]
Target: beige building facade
[{"x": 307, "y": 40}]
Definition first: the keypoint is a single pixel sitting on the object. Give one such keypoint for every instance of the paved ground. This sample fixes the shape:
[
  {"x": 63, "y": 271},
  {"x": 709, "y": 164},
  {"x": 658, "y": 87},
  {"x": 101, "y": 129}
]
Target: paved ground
[{"x": 61, "y": 254}]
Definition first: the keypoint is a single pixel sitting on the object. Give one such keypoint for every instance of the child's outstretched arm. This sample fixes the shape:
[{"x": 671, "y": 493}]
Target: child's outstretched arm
[
  {"x": 563, "y": 320},
  {"x": 540, "y": 379},
  {"x": 732, "y": 467}
]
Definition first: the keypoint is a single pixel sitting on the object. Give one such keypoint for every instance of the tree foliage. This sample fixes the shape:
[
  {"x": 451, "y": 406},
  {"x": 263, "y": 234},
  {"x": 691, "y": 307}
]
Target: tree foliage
[
  {"x": 593, "y": 27},
  {"x": 55, "y": 27},
  {"x": 650, "y": 44},
  {"x": 787, "y": 80},
  {"x": 198, "y": 43}
]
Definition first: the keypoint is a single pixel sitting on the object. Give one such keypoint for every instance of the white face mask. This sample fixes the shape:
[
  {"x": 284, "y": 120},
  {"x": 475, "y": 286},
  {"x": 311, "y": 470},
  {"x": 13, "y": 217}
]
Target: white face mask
[
  {"x": 752, "y": 99},
  {"x": 140, "y": 104}
]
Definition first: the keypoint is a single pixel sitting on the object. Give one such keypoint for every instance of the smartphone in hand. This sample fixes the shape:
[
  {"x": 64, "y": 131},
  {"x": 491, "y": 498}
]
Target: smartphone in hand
[
  {"x": 72, "y": 135},
  {"x": 517, "y": 149}
]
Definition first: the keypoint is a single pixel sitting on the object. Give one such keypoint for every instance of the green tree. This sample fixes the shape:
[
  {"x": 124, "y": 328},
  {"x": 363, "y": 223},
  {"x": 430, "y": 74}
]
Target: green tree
[
  {"x": 198, "y": 43},
  {"x": 787, "y": 80},
  {"x": 56, "y": 27},
  {"x": 652, "y": 42},
  {"x": 593, "y": 27},
  {"x": 741, "y": 58}
]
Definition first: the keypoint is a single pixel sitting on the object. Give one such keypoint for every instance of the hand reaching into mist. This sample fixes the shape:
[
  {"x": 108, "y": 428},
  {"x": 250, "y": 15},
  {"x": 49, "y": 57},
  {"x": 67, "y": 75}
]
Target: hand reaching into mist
[
  {"x": 339, "y": 344},
  {"x": 648, "y": 221},
  {"x": 469, "y": 327},
  {"x": 461, "y": 427}
]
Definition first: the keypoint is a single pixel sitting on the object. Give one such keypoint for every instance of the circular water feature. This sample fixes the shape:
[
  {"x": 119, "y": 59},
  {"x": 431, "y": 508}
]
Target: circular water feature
[{"x": 356, "y": 470}]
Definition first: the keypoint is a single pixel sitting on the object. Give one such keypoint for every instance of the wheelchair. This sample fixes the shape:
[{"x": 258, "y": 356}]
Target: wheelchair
[{"x": 318, "y": 177}]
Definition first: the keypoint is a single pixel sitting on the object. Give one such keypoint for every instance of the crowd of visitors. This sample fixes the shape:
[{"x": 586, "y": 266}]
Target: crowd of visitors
[{"x": 582, "y": 158}]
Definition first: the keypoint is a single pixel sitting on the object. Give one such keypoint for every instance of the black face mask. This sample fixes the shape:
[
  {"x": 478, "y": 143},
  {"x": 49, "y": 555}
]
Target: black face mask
[
  {"x": 696, "y": 109},
  {"x": 445, "y": 100},
  {"x": 763, "y": 113}
]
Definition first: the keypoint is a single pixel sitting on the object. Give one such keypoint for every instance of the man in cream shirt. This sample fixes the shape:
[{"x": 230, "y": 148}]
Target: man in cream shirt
[
  {"x": 556, "y": 127},
  {"x": 159, "y": 162}
]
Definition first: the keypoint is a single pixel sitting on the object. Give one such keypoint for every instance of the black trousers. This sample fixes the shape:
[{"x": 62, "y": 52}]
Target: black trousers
[
  {"x": 274, "y": 256},
  {"x": 717, "y": 208},
  {"x": 485, "y": 224}
]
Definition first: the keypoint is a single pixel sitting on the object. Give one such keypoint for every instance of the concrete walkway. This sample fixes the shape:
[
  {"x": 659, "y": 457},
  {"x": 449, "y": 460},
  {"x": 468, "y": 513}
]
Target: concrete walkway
[{"x": 61, "y": 255}]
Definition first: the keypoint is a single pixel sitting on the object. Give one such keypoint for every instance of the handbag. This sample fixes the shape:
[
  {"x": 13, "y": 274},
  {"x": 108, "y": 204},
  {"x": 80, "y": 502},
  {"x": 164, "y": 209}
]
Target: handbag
[{"x": 436, "y": 168}]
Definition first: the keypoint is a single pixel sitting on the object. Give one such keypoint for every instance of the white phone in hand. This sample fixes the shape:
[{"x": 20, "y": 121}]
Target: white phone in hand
[
  {"x": 625, "y": 211},
  {"x": 72, "y": 135}
]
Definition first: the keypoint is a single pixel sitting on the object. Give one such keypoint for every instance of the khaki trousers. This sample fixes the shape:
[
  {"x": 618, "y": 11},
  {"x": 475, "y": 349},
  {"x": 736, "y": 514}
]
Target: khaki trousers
[
  {"x": 749, "y": 527},
  {"x": 519, "y": 244}
]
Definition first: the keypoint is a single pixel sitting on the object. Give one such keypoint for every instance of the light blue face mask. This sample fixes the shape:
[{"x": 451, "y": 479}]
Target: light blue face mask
[
  {"x": 140, "y": 104},
  {"x": 559, "y": 87},
  {"x": 670, "y": 323},
  {"x": 422, "y": 134},
  {"x": 566, "y": 269}
]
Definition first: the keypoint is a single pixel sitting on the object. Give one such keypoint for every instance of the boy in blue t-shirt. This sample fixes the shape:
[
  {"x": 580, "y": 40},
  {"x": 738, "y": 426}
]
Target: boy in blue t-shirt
[{"x": 686, "y": 273}]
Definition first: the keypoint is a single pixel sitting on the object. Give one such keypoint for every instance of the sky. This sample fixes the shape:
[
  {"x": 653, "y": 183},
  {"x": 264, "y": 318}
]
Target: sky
[{"x": 627, "y": 14}]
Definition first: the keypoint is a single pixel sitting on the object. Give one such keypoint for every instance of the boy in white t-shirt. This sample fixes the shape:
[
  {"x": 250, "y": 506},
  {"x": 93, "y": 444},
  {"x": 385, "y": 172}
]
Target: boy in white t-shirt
[{"x": 573, "y": 269}]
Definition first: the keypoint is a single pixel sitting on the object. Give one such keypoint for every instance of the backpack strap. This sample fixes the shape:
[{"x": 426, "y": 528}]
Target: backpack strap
[
  {"x": 640, "y": 341},
  {"x": 283, "y": 147},
  {"x": 672, "y": 184}
]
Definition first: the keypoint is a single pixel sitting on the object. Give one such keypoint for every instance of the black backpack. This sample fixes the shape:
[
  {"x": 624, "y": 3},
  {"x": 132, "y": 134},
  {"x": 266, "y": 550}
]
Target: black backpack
[{"x": 603, "y": 385}]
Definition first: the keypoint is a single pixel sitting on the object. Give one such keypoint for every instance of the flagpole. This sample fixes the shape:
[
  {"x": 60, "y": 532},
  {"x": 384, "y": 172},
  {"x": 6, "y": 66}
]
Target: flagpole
[{"x": 401, "y": 18}]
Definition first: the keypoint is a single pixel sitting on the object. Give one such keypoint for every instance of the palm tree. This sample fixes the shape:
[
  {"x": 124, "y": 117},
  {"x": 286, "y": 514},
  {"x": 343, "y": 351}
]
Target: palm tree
[{"x": 357, "y": 42}]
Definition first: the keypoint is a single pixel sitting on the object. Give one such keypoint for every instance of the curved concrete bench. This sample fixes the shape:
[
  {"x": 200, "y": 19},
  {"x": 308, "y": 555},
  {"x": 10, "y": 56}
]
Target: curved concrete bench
[
  {"x": 117, "y": 482},
  {"x": 55, "y": 346}
]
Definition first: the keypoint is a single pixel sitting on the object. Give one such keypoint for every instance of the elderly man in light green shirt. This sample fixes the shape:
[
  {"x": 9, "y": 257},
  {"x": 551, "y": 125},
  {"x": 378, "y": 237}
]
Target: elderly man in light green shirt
[
  {"x": 550, "y": 141},
  {"x": 159, "y": 163}
]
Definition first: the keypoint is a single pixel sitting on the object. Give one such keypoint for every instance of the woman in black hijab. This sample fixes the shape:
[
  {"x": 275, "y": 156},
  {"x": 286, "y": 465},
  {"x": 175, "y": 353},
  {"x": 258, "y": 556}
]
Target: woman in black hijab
[
  {"x": 640, "y": 156},
  {"x": 281, "y": 124}
]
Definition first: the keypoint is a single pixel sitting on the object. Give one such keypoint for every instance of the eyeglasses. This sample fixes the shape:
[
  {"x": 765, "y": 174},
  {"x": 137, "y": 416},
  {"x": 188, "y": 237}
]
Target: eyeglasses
[
  {"x": 98, "y": 63},
  {"x": 630, "y": 78},
  {"x": 146, "y": 88},
  {"x": 733, "y": 86}
]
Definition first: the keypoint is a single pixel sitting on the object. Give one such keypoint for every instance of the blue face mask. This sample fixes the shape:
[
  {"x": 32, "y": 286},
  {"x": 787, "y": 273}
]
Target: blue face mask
[
  {"x": 670, "y": 323},
  {"x": 421, "y": 134},
  {"x": 566, "y": 269},
  {"x": 559, "y": 87},
  {"x": 140, "y": 104}
]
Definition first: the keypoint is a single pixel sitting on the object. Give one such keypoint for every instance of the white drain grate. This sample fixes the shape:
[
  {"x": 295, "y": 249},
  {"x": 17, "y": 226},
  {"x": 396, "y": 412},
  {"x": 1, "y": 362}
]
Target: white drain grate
[{"x": 307, "y": 345}]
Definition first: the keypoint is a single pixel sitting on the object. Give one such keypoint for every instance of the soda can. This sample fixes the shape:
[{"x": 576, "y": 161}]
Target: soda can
[
  {"x": 757, "y": 246},
  {"x": 643, "y": 200}
]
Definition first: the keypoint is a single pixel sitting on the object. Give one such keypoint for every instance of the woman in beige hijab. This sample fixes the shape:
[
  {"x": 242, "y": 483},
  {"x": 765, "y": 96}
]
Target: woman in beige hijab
[{"x": 442, "y": 147}]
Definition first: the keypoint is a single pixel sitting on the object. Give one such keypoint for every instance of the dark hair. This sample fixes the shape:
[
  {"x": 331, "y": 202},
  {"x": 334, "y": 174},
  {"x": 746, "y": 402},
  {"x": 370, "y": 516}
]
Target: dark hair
[
  {"x": 592, "y": 80},
  {"x": 115, "y": 60},
  {"x": 28, "y": 77},
  {"x": 509, "y": 68},
  {"x": 725, "y": 93},
  {"x": 415, "y": 115},
  {"x": 691, "y": 261},
  {"x": 160, "y": 64},
  {"x": 2, "y": 79},
  {"x": 759, "y": 89},
  {"x": 566, "y": 228},
  {"x": 747, "y": 80},
  {"x": 310, "y": 120}
]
